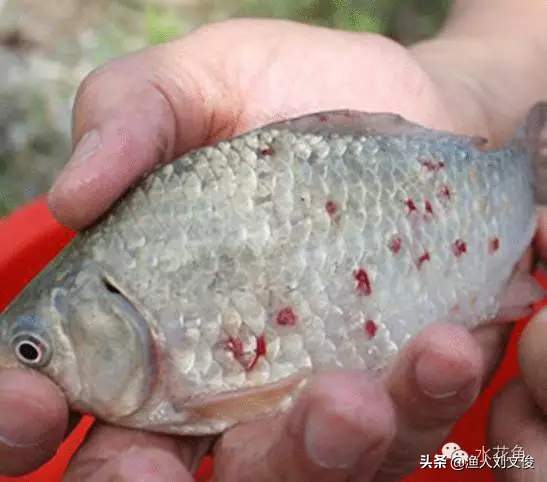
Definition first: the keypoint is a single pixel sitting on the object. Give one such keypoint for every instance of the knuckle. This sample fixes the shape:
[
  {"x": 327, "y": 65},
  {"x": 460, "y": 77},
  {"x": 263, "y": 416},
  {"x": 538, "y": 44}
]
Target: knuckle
[
  {"x": 98, "y": 88},
  {"x": 91, "y": 82}
]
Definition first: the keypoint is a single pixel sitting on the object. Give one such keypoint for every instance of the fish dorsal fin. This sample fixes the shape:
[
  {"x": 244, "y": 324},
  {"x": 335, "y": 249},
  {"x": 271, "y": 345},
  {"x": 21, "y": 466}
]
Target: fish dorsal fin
[{"x": 352, "y": 122}]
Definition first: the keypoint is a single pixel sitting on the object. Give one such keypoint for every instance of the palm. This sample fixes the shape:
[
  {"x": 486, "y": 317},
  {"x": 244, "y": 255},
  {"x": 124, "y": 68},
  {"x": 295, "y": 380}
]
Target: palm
[{"x": 291, "y": 71}]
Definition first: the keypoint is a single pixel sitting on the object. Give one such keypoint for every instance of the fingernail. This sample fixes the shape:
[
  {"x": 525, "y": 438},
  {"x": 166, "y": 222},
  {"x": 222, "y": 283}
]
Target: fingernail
[
  {"x": 331, "y": 441},
  {"x": 86, "y": 147},
  {"x": 439, "y": 377},
  {"x": 14, "y": 428}
]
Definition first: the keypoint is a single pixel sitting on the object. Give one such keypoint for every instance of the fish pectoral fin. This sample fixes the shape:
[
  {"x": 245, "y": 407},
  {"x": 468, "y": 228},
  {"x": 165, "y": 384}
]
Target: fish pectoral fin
[
  {"x": 520, "y": 294},
  {"x": 240, "y": 406}
]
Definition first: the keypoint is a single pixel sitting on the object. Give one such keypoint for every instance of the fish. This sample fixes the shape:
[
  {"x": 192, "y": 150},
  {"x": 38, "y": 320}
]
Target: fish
[{"x": 219, "y": 284}]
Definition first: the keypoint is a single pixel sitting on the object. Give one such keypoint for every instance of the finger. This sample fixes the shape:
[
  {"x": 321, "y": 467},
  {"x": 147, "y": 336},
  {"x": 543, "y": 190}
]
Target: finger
[
  {"x": 533, "y": 358},
  {"x": 493, "y": 340},
  {"x": 541, "y": 234},
  {"x": 434, "y": 381},
  {"x": 342, "y": 423},
  {"x": 33, "y": 421},
  {"x": 517, "y": 415},
  {"x": 516, "y": 421},
  {"x": 113, "y": 453},
  {"x": 129, "y": 116}
]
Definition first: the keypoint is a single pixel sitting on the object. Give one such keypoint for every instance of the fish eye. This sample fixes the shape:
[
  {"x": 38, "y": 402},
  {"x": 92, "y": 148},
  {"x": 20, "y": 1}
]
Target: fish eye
[{"x": 31, "y": 350}]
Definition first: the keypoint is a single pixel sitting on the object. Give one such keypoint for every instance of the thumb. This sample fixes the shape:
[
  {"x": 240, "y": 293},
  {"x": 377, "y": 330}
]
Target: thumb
[{"x": 130, "y": 115}]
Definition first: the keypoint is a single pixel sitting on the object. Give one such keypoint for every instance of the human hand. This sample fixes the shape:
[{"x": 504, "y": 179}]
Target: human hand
[
  {"x": 518, "y": 413},
  {"x": 155, "y": 105}
]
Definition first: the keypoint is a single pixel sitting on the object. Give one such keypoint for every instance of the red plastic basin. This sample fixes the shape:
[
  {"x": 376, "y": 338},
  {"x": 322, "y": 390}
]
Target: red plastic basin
[{"x": 30, "y": 237}]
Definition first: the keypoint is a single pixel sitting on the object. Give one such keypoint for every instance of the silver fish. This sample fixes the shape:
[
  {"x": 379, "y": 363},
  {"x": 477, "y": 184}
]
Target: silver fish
[{"x": 214, "y": 289}]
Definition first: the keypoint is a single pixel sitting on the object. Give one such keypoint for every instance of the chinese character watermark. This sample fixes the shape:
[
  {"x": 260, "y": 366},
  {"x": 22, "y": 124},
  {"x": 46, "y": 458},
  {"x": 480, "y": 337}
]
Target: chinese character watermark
[{"x": 498, "y": 457}]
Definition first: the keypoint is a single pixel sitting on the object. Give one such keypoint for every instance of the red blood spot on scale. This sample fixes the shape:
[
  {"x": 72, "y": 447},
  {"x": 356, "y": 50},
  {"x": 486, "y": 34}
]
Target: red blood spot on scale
[
  {"x": 422, "y": 259},
  {"x": 371, "y": 328},
  {"x": 459, "y": 247},
  {"x": 286, "y": 317},
  {"x": 266, "y": 151},
  {"x": 259, "y": 351},
  {"x": 444, "y": 192},
  {"x": 428, "y": 208},
  {"x": 249, "y": 358},
  {"x": 323, "y": 118},
  {"x": 410, "y": 205},
  {"x": 235, "y": 345},
  {"x": 331, "y": 208},
  {"x": 431, "y": 166},
  {"x": 363, "y": 283},
  {"x": 395, "y": 244},
  {"x": 261, "y": 346},
  {"x": 493, "y": 245}
]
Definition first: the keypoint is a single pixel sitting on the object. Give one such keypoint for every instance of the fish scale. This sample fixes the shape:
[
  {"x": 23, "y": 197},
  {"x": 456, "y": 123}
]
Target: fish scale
[
  {"x": 218, "y": 284},
  {"x": 284, "y": 179}
]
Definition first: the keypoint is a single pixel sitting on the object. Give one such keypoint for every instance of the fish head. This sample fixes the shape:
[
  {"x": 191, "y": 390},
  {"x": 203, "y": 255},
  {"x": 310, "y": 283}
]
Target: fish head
[{"x": 75, "y": 326}]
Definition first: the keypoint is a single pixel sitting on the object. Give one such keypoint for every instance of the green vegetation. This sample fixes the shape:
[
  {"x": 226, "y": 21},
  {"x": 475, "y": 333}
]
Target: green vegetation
[
  {"x": 404, "y": 20},
  {"x": 160, "y": 25}
]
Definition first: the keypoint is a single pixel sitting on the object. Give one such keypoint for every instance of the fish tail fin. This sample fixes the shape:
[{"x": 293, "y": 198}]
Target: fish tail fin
[{"x": 534, "y": 134}]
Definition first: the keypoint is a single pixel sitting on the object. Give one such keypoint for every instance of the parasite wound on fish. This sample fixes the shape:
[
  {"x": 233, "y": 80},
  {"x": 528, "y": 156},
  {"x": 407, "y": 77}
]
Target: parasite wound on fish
[
  {"x": 444, "y": 193},
  {"x": 248, "y": 358},
  {"x": 422, "y": 259},
  {"x": 364, "y": 286},
  {"x": 260, "y": 351},
  {"x": 331, "y": 208},
  {"x": 430, "y": 165},
  {"x": 410, "y": 206},
  {"x": 459, "y": 247},
  {"x": 370, "y": 328},
  {"x": 260, "y": 346},
  {"x": 493, "y": 245},
  {"x": 395, "y": 244},
  {"x": 31, "y": 350},
  {"x": 286, "y": 317}
]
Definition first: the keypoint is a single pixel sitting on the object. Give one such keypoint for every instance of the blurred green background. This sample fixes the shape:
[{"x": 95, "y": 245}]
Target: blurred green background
[{"x": 47, "y": 48}]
